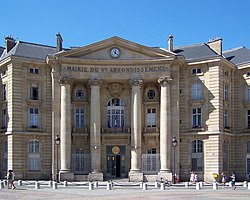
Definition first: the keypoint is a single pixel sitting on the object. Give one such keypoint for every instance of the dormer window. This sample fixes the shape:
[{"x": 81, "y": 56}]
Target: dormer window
[
  {"x": 196, "y": 71},
  {"x": 248, "y": 74},
  {"x": 34, "y": 71}
]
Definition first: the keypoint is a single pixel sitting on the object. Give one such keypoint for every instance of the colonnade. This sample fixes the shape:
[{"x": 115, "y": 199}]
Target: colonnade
[{"x": 95, "y": 126}]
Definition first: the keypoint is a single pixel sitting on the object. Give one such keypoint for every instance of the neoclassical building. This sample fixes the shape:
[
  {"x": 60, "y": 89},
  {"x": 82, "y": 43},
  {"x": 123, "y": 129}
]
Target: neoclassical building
[{"x": 118, "y": 109}]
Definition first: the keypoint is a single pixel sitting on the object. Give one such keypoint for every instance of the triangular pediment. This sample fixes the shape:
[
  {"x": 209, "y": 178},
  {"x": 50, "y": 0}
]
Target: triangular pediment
[{"x": 127, "y": 51}]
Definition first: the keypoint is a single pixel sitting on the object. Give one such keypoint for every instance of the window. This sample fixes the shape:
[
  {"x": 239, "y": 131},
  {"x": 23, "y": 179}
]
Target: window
[
  {"x": 225, "y": 156},
  {"x": 196, "y": 71},
  {"x": 226, "y": 119},
  {"x": 151, "y": 94},
  {"x": 5, "y": 157},
  {"x": 79, "y": 94},
  {"x": 196, "y": 91},
  {"x": 34, "y": 91},
  {"x": 196, "y": 118},
  {"x": 248, "y": 74},
  {"x": 4, "y": 92},
  {"x": 226, "y": 91},
  {"x": 248, "y": 146},
  {"x": 248, "y": 94},
  {"x": 226, "y": 73},
  {"x": 33, "y": 118},
  {"x": 151, "y": 117},
  {"x": 248, "y": 118},
  {"x": 4, "y": 118},
  {"x": 34, "y": 155},
  {"x": 79, "y": 117},
  {"x": 34, "y": 71},
  {"x": 115, "y": 113},
  {"x": 197, "y": 155}
]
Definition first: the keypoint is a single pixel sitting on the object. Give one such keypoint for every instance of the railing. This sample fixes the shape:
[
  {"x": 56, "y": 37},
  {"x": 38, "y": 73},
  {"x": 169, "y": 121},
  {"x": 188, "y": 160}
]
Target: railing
[
  {"x": 150, "y": 163},
  {"x": 81, "y": 163},
  {"x": 115, "y": 130},
  {"x": 151, "y": 130}
]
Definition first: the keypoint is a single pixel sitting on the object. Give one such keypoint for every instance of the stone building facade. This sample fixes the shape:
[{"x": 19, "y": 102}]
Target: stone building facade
[{"x": 113, "y": 109}]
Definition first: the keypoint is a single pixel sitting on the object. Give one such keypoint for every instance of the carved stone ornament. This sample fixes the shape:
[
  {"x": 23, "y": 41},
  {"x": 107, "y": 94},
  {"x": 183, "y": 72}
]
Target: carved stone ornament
[
  {"x": 115, "y": 89},
  {"x": 95, "y": 82},
  {"x": 65, "y": 80},
  {"x": 136, "y": 82},
  {"x": 164, "y": 81}
]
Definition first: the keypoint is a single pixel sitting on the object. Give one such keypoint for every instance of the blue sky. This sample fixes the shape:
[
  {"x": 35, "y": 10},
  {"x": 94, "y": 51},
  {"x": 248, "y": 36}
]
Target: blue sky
[{"x": 148, "y": 22}]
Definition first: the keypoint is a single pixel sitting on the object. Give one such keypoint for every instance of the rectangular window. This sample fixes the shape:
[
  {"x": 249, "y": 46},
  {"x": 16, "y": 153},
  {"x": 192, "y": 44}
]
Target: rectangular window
[
  {"x": 248, "y": 147},
  {"x": 196, "y": 91},
  {"x": 226, "y": 119},
  {"x": 196, "y": 71},
  {"x": 248, "y": 94},
  {"x": 4, "y": 122},
  {"x": 34, "y": 91},
  {"x": 34, "y": 71},
  {"x": 79, "y": 117},
  {"x": 4, "y": 92},
  {"x": 33, "y": 118},
  {"x": 226, "y": 91},
  {"x": 196, "y": 118},
  {"x": 248, "y": 118},
  {"x": 151, "y": 117},
  {"x": 225, "y": 156}
]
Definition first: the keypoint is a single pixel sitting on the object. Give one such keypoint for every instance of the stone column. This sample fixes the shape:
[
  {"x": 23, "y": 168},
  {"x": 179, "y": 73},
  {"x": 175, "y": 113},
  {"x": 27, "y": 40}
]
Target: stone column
[
  {"x": 95, "y": 130},
  {"x": 65, "y": 135},
  {"x": 135, "y": 171},
  {"x": 165, "y": 128}
]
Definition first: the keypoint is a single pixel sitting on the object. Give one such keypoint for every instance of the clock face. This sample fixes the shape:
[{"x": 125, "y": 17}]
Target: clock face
[{"x": 115, "y": 52}]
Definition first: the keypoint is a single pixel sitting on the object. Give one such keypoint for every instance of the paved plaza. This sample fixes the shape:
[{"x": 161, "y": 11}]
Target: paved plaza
[{"x": 123, "y": 192}]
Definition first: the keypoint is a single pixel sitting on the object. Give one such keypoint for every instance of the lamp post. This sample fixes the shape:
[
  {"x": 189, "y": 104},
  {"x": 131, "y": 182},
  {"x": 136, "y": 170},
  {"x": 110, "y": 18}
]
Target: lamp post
[
  {"x": 57, "y": 142},
  {"x": 174, "y": 144}
]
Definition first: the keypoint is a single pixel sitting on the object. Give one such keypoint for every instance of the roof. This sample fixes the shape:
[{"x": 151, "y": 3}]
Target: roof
[
  {"x": 196, "y": 51},
  {"x": 1, "y": 50},
  {"x": 238, "y": 55},
  {"x": 29, "y": 50}
]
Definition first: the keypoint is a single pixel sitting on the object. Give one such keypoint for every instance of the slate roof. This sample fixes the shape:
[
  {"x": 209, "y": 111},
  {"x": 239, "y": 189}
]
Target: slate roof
[
  {"x": 1, "y": 51},
  {"x": 196, "y": 51},
  {"x": 29, "y": 50},
  {"x": 238, "y": 55}
]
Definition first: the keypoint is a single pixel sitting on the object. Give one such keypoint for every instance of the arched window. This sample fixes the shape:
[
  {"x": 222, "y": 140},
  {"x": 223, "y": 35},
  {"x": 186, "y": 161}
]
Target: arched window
[
  {"x": 115, "y": 113},
  {"x": 34, "y": 155},
  {"x": 197, "y": 155}
]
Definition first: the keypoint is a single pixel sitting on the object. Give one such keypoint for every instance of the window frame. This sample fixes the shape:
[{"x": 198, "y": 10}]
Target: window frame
[
  {"x": 197, "y": 156},
  {"x": 34, "y": 158}
]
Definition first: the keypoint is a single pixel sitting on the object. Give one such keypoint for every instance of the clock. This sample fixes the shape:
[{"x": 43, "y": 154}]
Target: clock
[{"x": 115, "y": 52}]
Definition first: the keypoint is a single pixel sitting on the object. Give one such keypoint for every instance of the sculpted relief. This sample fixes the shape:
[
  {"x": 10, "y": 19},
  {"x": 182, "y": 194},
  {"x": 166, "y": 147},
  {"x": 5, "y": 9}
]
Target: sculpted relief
[{"x": 115, "y": 89}]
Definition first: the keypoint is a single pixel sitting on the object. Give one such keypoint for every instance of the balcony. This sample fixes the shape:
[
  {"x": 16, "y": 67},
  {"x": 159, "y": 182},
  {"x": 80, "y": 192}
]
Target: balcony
[
  {"x": 151, "y": 133},
  {"x": 116, "y": 133}
]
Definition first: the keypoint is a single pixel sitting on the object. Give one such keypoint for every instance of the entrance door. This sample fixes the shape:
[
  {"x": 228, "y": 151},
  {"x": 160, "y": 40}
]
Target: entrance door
[
  {"x": 248, "y": 168},
  {"x": 115, "y": 162}
]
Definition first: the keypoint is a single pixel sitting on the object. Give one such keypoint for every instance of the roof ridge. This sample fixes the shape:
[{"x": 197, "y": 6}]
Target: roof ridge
[
  {"x": 234, "y": 49},
  {"x": 190, "y": 45}
]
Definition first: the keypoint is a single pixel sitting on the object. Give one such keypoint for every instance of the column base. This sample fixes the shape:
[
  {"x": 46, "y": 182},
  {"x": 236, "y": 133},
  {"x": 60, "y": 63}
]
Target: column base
[
  {"x": 95, "y": 176},
  {"x": 165, "y": 176},
  {"x": 66, "y": 176},
  {"x": 135, "y": 176}
]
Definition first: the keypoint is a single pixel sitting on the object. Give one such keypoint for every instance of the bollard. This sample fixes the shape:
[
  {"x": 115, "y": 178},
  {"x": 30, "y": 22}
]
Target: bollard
[
  {"x": 37, "y": 185},
  {"x": 245, "y": 184},
  {"x": 109, "y": 186},
  {"x": 2, "y": 185},
  {"x": 248, "y": 186},
  {"x": 65, "y": 183},
  {"x": 145, "y": 186},
  {"x": 20, "y": 182},
  {"x": 201, "y": 184},
  {"x": 5, "y": 182},
  {"x": 54, "y": 186},
  {"x": 156, "y": 184},
  {"x": 215, "y": 186},
  {"x": 186, "y": 184},
  {"x": 90, "y": 186},
  {"x": 96, "y": 184},
  {"x": 198, "y": 187},
  {"x": 162, "y": 186}
]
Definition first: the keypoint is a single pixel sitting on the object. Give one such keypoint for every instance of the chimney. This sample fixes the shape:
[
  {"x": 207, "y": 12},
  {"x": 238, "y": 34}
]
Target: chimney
[
  {"x": 59, "y": 41},
  {"x": 216, "y": 45},
  {"x": 170, "y": 43},
  {"x": 10, "y": 43}
]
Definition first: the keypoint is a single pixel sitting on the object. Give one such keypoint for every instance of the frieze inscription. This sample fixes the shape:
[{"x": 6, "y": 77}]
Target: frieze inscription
[{"x": 115, "y": 69}]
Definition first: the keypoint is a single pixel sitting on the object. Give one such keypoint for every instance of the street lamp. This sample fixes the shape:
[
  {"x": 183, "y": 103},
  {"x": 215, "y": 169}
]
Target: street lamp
[
  {"x": 174, "y": 144},
  {"x": 57, "y": 141}
]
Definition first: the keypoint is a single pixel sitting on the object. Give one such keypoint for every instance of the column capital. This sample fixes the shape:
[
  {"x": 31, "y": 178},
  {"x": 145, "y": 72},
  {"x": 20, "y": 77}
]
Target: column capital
[
  {"x": 65, "y": 80},
  {"x": 95, "y": 82},
  {"x": 164, "y": 81},
  {"x": 136, "y": 82}
]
